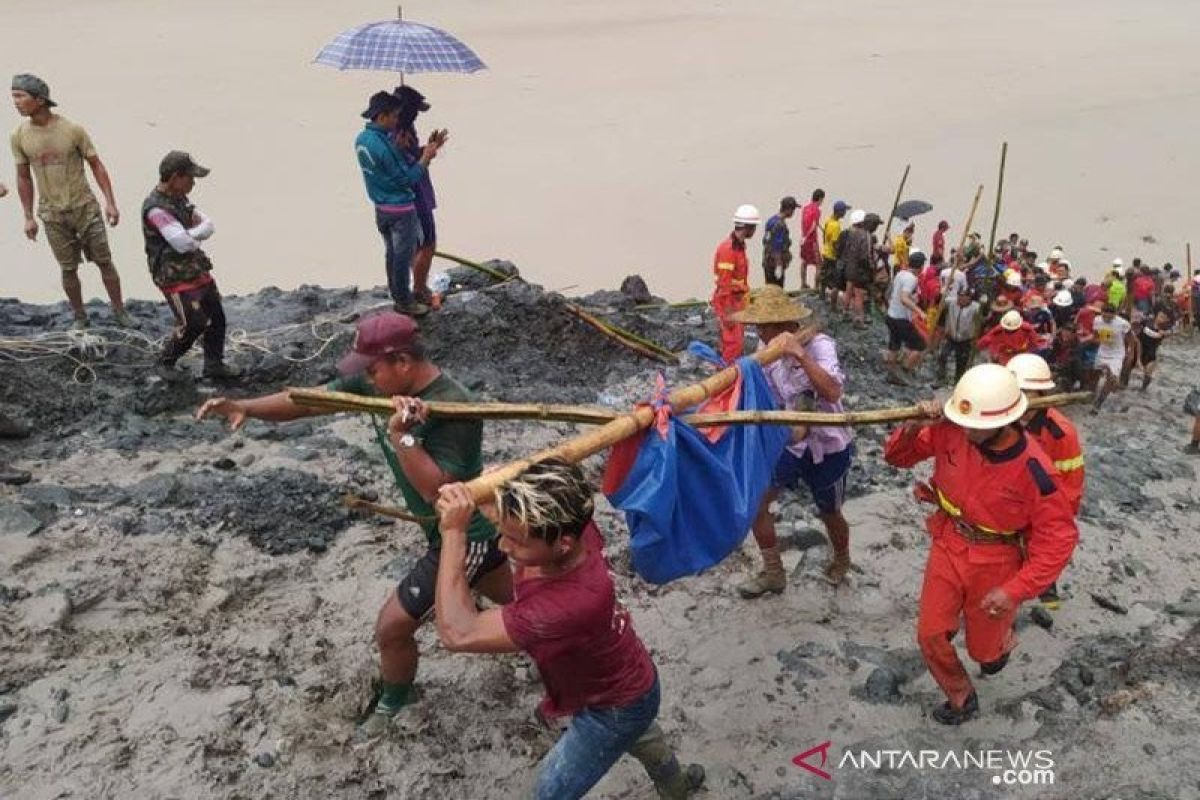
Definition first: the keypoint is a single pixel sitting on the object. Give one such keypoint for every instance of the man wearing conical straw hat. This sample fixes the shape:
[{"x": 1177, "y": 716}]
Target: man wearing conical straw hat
[{"x": 808, "y": 378}]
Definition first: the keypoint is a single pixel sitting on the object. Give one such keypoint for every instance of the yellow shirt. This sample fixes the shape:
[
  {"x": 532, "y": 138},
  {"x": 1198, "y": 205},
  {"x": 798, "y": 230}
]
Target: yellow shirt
[
  {"x": 55, "y": 153},
  {"x": 900, "y": 248},
  {"x": 830, "y": 233}
]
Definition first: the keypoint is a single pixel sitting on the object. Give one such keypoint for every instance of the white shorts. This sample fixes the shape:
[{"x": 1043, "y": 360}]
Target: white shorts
[{"x": 1112, "y": 363}]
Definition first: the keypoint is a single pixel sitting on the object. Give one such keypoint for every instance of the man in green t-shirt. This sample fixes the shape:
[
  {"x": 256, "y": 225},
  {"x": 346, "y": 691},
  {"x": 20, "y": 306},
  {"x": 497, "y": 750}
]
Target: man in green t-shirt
[{"x": 388, "y": 359}]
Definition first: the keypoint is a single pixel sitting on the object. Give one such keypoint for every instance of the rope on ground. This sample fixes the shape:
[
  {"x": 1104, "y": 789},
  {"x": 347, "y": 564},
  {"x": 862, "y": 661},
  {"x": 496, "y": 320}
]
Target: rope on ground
[{"x": 87, "y": 349}]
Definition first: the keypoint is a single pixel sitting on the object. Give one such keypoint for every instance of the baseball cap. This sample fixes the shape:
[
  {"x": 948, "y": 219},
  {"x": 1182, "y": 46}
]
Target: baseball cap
[
  {"x": 841, "y": 205},
  {"x": 872, "y": 219},
  {"x": 33, "y": 86},
  {"x": 788, "y": 202},
  {"x": 376, "y": 336},
  {"x": 178, "y": 161}
]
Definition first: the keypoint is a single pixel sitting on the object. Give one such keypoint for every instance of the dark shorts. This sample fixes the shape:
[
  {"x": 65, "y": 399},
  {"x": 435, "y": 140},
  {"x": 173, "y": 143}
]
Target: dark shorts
[
  {"x": 828, "y": 275},
  {"x": 903, "y": 333},
  {"x": 826, "y": 481},
  {"x": 428, "y": 226},
  {"x": 416, "y": 589}
]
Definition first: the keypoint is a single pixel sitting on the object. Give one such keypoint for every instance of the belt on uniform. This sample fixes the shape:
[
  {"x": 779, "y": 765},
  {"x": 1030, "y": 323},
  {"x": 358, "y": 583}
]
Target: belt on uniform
[{"x": 972, "y": 532}]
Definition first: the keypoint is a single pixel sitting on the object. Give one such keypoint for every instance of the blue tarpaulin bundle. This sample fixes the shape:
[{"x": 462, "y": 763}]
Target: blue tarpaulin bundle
[{"x": 690, "y": 501}]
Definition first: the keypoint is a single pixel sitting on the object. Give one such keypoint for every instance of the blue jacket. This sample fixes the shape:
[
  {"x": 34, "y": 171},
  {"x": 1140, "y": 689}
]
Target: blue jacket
[{"x": 389, "y": 178}]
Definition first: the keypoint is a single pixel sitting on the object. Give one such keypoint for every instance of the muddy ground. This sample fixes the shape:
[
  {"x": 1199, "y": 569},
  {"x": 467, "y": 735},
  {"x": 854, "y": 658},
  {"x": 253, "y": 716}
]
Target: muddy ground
[{"x": 187, "y": 613}]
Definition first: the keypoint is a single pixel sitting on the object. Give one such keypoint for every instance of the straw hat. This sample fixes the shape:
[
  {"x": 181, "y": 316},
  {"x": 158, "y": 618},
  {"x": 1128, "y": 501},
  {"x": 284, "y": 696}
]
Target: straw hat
[
  {"x": 770, "y": 304},
  {"x": 1035, "y": 300}
]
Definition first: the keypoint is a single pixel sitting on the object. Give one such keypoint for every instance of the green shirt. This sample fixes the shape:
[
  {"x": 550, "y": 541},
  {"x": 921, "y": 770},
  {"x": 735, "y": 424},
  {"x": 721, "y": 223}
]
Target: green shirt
[{"x": 455, "y": 445}]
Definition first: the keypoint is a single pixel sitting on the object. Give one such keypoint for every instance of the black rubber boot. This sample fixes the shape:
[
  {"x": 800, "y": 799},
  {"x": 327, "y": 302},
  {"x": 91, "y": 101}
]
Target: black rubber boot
[{"x": 948, "y": 715}]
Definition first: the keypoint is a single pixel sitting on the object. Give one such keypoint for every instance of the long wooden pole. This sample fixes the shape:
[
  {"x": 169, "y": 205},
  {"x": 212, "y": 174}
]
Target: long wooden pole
[
  {"x": 991, "y": 257},
  {"x": 962, "y": 242},
  {"x": 344, "y": 401},
  {"x": 592, "y": 442},
  {"x": 887, "y": 230},
  {"x": 1191, "y": 295},
  {"x": 623, "y": 337}
]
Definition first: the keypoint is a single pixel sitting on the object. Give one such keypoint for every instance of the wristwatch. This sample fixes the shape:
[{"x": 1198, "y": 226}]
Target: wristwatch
[{"x": 406, "y": 441}]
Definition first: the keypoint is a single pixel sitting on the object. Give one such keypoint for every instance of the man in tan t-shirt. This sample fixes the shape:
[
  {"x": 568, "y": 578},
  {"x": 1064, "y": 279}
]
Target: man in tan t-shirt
[{"x": 50, "y": 150}]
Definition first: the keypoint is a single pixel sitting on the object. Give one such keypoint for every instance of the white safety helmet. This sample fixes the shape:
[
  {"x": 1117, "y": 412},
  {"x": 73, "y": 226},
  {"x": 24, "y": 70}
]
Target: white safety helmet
[
  {"x": 986, "y": 397},
  {"x": 1064, "y": 299},
  {"x": 857, "y": 216},
  {"x": 1032, "y": 371},
  {"x": 746, "y": 214},
  {"x": 1013, "y": 279},
  {"x": 1056, "y": 254},
  {"x": 1044, "y": 267},
  {"x": 1118, "y": 263},
  {"x": 1011, "y": 320}
]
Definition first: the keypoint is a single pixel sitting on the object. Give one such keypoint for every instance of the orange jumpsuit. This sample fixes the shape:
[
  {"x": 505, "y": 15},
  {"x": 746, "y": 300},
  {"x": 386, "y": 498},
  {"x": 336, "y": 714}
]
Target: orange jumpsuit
[
  {"x": 1058, "y": 437},
  {"x": 731, "y": 269},
  {"x": 1016, "y": 494},
  {"x": 1003, "y": 344}
]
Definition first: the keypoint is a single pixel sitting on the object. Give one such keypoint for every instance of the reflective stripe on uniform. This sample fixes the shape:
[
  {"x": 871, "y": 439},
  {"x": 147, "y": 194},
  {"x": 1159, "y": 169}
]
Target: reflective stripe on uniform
[
  {"x": 725, "y": 265},
  {"x": 1069, "y": 464},
  {"x": 956, "y": 512}
]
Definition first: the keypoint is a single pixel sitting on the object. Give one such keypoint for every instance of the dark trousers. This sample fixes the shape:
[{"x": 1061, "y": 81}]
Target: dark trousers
[
  {"x": 402, "y": 238},
  {"x": 198, "y": 312},
  {"x": 962, "y": 357}
]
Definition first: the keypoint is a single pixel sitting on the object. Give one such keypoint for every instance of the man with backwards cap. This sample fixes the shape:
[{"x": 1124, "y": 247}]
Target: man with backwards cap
[
  {"x": 1002, "y": 531},
  {"x": 50, "y": 151},
  {"x": 829, "y": 281},
  {"x": 388, "y": 359},
  {"x": 174, "y": 229}
]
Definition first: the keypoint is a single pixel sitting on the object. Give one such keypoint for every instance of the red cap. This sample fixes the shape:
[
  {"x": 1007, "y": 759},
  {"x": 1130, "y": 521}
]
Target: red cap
[{"x": 376, "y": 336}]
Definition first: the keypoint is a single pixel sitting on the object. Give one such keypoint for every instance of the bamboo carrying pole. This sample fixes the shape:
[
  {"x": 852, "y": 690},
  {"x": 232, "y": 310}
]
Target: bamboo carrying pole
[
  {"x": 344, "y": 401},
  {"x": 625, "y": 338},
  {"x": 991, "y": 253},
  {"x": 359, "y": 504},
  {"x": 500, "y": 276},
  {"x": 872, "y": 417},
  {"x": 592, "y": 442},
  {"x": 962, "y": 242},
  {"x": 887, "y": 230}
]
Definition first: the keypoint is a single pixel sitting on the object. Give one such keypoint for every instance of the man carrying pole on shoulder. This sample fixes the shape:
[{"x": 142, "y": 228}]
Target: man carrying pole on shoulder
[{"x": 1002, "y": 532}]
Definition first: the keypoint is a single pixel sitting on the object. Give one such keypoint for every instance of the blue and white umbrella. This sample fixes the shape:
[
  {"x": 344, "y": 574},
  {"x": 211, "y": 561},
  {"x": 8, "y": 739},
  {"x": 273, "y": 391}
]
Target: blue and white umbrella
[{"x": 399, "y": 46}]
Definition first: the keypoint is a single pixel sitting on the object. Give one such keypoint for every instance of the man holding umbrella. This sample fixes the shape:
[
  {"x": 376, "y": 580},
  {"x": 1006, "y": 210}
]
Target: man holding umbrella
[{"x": 390, "y": 181}]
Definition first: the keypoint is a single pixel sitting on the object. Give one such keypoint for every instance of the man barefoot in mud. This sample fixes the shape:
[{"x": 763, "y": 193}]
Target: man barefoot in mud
[
  {"x": 1002, "y": 532},
  {"x": 809, "y": 378},
  {"x": 389, "y": 359},
  {"x": 566, "y": 616}
]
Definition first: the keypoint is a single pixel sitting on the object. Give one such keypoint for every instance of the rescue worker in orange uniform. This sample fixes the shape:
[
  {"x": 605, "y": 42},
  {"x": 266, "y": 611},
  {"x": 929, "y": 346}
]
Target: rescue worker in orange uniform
[
  {"x": 1055, "y": 433},
  {"x": 1002, "y": 531},
  {"x": 731, "y": 269}
]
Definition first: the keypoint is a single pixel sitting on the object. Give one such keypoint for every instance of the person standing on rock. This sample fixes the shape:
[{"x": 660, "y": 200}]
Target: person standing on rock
[
  {"x": 810, "y": 249},
  {"x": 831, "y": 281},
  {"x": 1003, "y": 530},
  {"x": 388, "y": 359},
  {"x": 50, "y": 152},
  {"x": 808, "y": 378},
  {"x": 938, "y": 250},
  {"x": 959, "y": 320},
  {"x": 390, "y": 181},
  {"x": 413, "y": 103},
  {"x": 903, "y": 313},
  {"x": 174, "y": 230},
  {"x": 731, "y": 269},
  {"x": 855, "y": 261},
  {"x": 565, "y": 614},
  {"x": 777, "y": 243},
  {"x": 1056, "y": 434}
]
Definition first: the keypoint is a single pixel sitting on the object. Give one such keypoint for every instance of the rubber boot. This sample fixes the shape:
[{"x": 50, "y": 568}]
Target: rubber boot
[
  {"x": 658, "y": 759},
  {"x": 771, "y": 579},
  {"x": 220, "y": 371},
  {"x": 949, "y": 715}
]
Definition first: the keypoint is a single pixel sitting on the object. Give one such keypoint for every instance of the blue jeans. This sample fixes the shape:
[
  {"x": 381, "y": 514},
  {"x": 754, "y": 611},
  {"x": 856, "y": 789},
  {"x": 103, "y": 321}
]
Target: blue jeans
[
  {"x": 401, "y": 239},
  {"x": 592, "y": 743}
]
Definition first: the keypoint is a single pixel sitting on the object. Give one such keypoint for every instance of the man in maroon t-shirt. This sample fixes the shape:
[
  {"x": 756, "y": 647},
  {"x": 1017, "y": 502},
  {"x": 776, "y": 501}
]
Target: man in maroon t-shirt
[{"x": 566, "y": 616}]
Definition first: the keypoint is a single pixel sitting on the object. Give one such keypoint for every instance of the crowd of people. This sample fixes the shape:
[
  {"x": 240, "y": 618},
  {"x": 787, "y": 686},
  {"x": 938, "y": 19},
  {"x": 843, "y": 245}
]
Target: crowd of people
[{"x": 1007, "y": 478}]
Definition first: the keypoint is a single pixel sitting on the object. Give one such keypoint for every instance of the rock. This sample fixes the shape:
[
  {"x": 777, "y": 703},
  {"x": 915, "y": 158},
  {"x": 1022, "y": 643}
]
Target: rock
[
  {"x": 1190, "y": 608},
  {"x": 301, "y": 453},
  {"x": 1042, "y": 618},
  {"x": 61, "y": 712},
  {"x": 882, "y": 686},
  {"x": 45, "y": 494},
  {"x": 1149, "y": 749},
  {"x": 247, "y": 459},
  {"x": 803, "y": 538},
  {"x": 225, "y": 464},
  {"x": 16, "y": 521},
  {"x": 265, "y": 759},
  {"x": 155, "y": 491},
  {"x": 634, "y": 287},
  {"x": 1108, "y": 603},
  {"x": 8, "y": 707},
  {"x": 46, "y": 610},
  {"x": 316, "y": 544}
]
